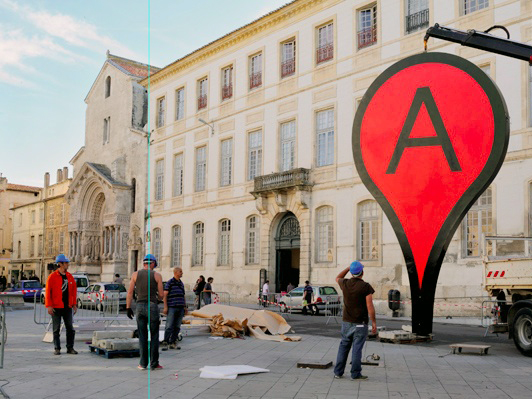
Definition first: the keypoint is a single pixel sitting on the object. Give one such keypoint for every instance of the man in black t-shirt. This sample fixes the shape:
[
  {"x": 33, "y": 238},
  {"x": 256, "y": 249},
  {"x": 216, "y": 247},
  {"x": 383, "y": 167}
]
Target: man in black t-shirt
[{"x": 358, "y": 309}]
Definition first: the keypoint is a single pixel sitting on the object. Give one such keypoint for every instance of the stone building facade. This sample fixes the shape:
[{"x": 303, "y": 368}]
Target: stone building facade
[
  {"x": 251, "y": 165},
  {"x": 11, "y": 196},
  {"x": 56, "y": 214},
  {"x": 108, "y": 190}
]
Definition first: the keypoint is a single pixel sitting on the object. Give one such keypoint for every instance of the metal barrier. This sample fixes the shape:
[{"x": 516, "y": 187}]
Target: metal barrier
[
  {"x": 3, "y": 332},
  {"x": 222, "y": 298},
  {"x": 490, "y": 314},
  {"x": 334, "y": 307}
]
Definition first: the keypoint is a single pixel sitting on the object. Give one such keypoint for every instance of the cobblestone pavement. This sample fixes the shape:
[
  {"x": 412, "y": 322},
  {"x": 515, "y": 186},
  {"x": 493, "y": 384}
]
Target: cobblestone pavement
[{"x": 405, "y": 371}]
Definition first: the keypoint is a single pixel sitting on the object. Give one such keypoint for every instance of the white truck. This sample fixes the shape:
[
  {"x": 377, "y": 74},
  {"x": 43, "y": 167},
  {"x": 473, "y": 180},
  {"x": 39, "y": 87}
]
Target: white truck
[{"x": 508, "y": 278}]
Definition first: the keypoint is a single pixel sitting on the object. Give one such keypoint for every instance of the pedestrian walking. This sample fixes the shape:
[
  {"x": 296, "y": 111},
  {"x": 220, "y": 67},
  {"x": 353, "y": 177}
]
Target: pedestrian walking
[
  {"x": 147, "y": 311},
  {"x": 118, "y": 279},
  {"x": 207, "y": 291},
  {"x": 60, "y": 300},
  {"x": 175, "y": 307},
  {"x": 358, "y": 305},
  {"x": 198, "y": 290},
  {"x": 265, "y": 293},
  {"x": 308, "y": 293},
  {"x": 3, "y": 282}
]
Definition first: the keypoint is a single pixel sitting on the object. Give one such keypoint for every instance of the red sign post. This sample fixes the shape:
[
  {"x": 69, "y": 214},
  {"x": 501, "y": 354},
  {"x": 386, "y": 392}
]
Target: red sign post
[{"x": 429, "y": 137}]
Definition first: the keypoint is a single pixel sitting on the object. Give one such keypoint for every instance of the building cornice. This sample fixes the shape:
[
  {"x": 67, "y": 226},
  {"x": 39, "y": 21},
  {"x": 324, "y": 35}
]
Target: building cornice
[{"x": 233, "y": 38}]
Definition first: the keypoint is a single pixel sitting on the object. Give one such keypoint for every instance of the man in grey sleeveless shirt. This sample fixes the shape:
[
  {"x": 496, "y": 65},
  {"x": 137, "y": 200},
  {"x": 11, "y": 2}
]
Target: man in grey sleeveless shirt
[{"x": 148, "y": 285}]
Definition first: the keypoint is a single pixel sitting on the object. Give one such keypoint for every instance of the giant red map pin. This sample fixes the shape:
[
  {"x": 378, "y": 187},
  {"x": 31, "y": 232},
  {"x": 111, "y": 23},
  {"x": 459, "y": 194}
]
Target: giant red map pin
[{"x": 429, "y": 137}]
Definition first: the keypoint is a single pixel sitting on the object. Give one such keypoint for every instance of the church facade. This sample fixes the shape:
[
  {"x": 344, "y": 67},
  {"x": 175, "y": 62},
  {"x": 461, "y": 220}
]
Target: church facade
[{"x": 108, "y": 191}]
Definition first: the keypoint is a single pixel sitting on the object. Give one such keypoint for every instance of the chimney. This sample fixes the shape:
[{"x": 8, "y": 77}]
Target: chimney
[
  {"x": 65, "y": 173},
  {"x": 46, "y": 179},
  {"x": 59, "y": 175}
]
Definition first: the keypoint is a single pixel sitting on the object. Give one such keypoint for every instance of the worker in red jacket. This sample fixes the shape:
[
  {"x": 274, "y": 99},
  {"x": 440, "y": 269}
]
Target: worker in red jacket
[{"x": 60, "y": 300}]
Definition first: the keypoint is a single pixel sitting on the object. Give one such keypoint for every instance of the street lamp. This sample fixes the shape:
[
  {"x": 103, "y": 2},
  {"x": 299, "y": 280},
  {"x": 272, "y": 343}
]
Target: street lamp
[{"x": 211, "y": 125}]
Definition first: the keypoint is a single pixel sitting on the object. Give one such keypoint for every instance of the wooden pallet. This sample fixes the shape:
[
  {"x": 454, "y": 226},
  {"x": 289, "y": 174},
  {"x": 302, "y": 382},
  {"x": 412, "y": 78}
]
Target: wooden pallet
[
  {"x": 414, "y": 340},
  {"x": 483, "y": 349},
  {"x": 109, "y": 354}
]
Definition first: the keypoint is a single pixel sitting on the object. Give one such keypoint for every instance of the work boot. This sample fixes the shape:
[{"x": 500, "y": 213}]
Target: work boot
[
  {"x": 360, "y": 377},
  {"x": 72, "y": 351},
  {"x": 164, "y": 346},
  {"x": 57, "y": 351}
]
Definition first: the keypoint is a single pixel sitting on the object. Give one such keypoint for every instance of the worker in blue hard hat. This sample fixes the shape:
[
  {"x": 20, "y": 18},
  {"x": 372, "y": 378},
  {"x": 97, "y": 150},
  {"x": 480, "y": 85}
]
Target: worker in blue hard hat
[
  {"x": 148, "y": 284},
  {"x": 60, "y": 300},
  {"x": 358, "y": 309}
]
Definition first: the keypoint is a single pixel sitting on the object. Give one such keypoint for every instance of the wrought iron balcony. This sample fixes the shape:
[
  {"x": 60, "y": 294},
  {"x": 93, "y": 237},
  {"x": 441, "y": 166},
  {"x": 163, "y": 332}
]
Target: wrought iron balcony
[
  {"x": 288, "y": 67},
  {"x": 325, "y": 53},
  {"x": 295, "y": 178},
  {"x": 227, "y": 91},
  {"x": 255, "y": 80},
  {"x": 202, "y": 101},
  {"x": 417, "y": 21},
  {"x": 367, "y": 37}
]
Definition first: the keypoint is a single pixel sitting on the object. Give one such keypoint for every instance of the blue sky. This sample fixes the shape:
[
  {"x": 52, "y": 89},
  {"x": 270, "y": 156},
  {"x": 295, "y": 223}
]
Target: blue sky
[{"x": 52, "y": 50}]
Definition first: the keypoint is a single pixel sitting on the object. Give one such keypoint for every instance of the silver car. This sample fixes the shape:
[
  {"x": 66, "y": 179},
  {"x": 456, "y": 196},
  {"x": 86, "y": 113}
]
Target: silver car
[
  {"x": 96, "y": 294},
  {"x": 321, "y": 296}
]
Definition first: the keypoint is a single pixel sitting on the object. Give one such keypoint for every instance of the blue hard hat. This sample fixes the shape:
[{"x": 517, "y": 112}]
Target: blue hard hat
[
  {"x": 356, "y": 268},
  {"x": 61, "y": 258},
  {"x": 150, "y": 259}
]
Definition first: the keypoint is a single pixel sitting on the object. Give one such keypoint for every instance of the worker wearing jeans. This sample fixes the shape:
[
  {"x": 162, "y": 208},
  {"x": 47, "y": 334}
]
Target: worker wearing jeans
[{"x": 358, "y": 309}]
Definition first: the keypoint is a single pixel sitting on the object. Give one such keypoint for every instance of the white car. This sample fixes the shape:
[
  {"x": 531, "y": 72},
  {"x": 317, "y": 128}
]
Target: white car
[
  {"x": 96, "y": 294},
  {"x": 322, "y": 295}
]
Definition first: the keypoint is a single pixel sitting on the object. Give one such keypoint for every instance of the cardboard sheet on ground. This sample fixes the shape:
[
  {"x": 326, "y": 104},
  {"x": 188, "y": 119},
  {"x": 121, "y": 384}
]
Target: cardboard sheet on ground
[
  {"x": 258, "y": 333},
  {"x": 229, "y": 372},
  {"x": 274, "y": 323}
]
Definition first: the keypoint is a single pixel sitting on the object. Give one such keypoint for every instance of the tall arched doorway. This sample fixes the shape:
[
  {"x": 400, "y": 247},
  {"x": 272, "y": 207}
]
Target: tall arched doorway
[{"x": 287, "y": 243}]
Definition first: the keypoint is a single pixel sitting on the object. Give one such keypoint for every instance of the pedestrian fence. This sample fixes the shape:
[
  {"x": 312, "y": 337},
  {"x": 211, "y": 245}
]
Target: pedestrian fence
[
  {"x": 334, "y": 305},
  {"x": 3, "y": 332},
  {"x": 218, "y": 298},
  {"x": 91, "y": 314}
]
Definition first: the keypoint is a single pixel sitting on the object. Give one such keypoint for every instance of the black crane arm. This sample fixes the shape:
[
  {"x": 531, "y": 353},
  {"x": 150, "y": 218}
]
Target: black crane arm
[{"x": 482, "y": 41}]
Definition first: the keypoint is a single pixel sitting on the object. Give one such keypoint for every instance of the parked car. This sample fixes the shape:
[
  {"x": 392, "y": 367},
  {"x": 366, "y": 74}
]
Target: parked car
[
  {"x": 95, "y": 294},
  {"x": 28, "y": 288},
  {"x": 322, "y": 294}
]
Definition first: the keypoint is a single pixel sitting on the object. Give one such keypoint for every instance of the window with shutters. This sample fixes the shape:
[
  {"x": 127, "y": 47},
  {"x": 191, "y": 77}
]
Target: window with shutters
[
  {"x": 61, "y": 242},
  {"x": 159, "y": 179},
  {"x": 176, "y": 246},
  {"x": 202, "y": 93},
  {"x": 287, "y": 145},
  {"x": 477, "y": 224},
  {"x": 201, "y": 168},
  {"x": 368, "y": 230},
  {"x": 32, "y": 246},
  {"x": 288, "y": 58},
  {"x": 226, "y": 162},
  {"x": 161, "y": 111},
  {"x": 252, "y": 240},
  {"x": 197, "y": 250},
  {"x": 324, "y": 234},
  {"x": 227, "y": 82},
  {"x": 367, "y": 26},
  {"x": 180, "y": 103},
  {"x": 224, "y": 244},
  {"x": 325, "y": 41},
  {"x": 51, "y": 216},
  {"x": 156, "y": 245},
  {"x": 178, "y": 175},
  {"x": 254, "y": 154},
  {"x": 50, "y": 243},
  {"x": 255, "y": 71},
  {"x": 325, "y": 138},
  {"x": 40, "y": 245}
]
